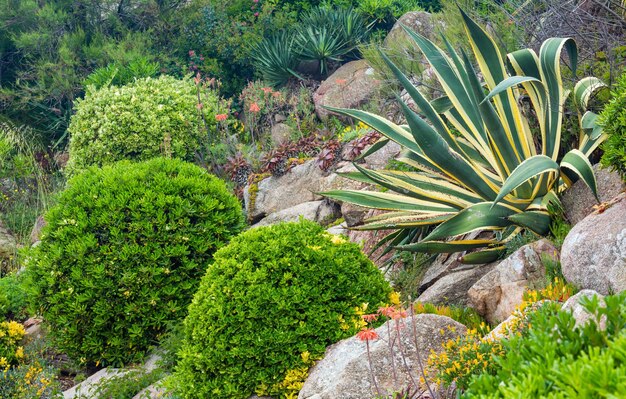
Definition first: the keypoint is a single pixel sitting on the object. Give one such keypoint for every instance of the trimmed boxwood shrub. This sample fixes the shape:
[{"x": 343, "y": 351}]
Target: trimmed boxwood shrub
[
  {"x": 273, "y": 299},
  {"x": 123, "y": 253},
  {"x": 613, "y": 119},
  {"x": 142, "y": 120}
]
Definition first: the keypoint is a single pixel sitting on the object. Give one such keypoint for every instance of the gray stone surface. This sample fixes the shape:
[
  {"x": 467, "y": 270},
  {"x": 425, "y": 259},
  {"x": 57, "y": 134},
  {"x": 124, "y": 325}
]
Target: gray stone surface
[
  {"x": 280, "y": 133},
  {"x": 418, "y": 21},
  {"x": 344, "y": 372},
  {"x": 593, "y": 255},
  {"x": 578, "y": 201},
  {"x": 88, "y": 388},
  {"x": 579, "y": 312},
  {"x": 301, "y": 184},
  {"x": 452, "y": 288},
  {"x": 496, "y": 295},
  {"x": 350, "y": 86},
  {"x": 8, "y": 246},
  {"x": 322, "y": 211}
]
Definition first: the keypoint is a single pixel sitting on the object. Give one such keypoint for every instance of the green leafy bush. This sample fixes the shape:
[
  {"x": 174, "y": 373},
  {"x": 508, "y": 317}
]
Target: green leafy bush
[
  {"x": 142, "y": 120},
  {"x": 123, "y": 253},
  {"x": 613, "y": 119},
  {"x": 271, "y": 302},
  {"x": 12, "y": 298},
  {"x": 552, "y": 358}
]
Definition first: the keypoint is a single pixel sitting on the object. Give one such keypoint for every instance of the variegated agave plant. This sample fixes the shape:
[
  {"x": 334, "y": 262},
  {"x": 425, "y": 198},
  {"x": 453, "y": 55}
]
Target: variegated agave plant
[{"x": 478, "y": 168}]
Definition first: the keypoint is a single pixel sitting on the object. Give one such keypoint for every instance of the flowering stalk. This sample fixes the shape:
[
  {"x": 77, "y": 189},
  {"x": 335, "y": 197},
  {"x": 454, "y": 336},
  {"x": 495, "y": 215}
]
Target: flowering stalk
[{"x": 419, "y": 357}]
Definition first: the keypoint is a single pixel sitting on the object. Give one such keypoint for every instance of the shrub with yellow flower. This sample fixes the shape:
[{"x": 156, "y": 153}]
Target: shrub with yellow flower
[{"x": 11, "y": 334}]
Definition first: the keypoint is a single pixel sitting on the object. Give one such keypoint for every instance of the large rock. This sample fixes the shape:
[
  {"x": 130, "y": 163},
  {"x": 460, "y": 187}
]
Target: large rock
[
  {"x": 89, "y": 387},
  {"x": 578, "y": 201},
  {"x": 418, "y": 21},
  {"x": 301, "y": 184},
  {"x": 579, "y": 312},
  {"x": 379, "y": 159},
  {"x": 352, "y": 85},
  {"x": 8, "y": 246},
  {"x": 280, "y": 133},
  {"x": 322, "y": 212},
  {"x": 452, "y": 288},
  {"x": 593, "y": 255},
  {"x": 344, "y": 372},
  {"x": 496, "y": 295}
]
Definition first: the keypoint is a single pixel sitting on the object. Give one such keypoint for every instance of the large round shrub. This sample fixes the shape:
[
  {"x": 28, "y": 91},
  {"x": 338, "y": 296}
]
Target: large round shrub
[
  {"x": 123, "y": 253},
  {"x": 274, "y": 299},
  {"x": 613, "y": 119},
  {"x": 147, "y": 118}
]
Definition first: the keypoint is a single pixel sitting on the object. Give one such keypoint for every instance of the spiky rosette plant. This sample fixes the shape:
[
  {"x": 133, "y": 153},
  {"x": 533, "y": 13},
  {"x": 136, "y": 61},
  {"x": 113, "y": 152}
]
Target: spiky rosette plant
[{"x": 478, "y": 168}]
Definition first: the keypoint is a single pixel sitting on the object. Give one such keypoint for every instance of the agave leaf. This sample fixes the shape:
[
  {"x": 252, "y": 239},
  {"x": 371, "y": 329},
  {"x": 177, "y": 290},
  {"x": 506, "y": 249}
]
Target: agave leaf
[
  {"x": 446, "y": 246},
  {"x": 533, "y": 166},
  {"x": 481, "y": 216},
  {"x": 485, "y": 256},
  {"x": 397, "y": 220},
  {"x": 387, "y": 201},
  {"x": 584, "y": 90},
  {"x": 550, "y": 67},
  {"x": 438, "y": 151},
  {"x": 576, "y": 165},
  {"x": 507, "y": 83},
  {"x": 373, "y": 148},
  {"x": 491, "y": 63},
  {"x": 538, "y": 222}
]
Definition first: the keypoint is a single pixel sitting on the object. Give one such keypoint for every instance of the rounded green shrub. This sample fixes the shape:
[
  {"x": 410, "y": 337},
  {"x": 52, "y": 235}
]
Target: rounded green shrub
[
  {"x": 144, "y": 119},
  {"x": 272, "y": 301},
  {"x": 613, "y": 119},
  {"x": 123, "y": 253}
]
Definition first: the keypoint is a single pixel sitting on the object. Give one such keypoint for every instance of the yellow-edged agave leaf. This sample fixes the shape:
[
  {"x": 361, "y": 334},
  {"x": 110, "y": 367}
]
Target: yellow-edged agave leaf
[
  {"x": 536, "y": 221},
  {"x": 485, "y": 256},
  {"x": 533, "y": 166},
  {"x": 482, "y": 216},
  {"x": 387, "y": 201},
  {"x": 409, "y": 220},
  {"x": 435, "y": 247},
  {"x": 585, "y": 89},
  {"x": 576, "y": 165},
  {"x": 438, "y": 151}
]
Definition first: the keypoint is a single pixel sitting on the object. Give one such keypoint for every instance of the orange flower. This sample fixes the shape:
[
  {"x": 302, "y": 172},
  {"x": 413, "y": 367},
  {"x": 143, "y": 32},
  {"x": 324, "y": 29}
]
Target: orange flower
[
  {"x": 341, "y": 82},
  {"x": 197, "y": 78},
  {"x": 199, "y": 106},
  {"x": 267, "y": 90},
  {"x": 370, "y": 317},
  {"x": 367, "y": 334},
  {"x": 254, "y": 107},
  {"x": 276, "y": 94},
  {"x": 387, "y": 311},
  {"x": 221, "y": 117}
]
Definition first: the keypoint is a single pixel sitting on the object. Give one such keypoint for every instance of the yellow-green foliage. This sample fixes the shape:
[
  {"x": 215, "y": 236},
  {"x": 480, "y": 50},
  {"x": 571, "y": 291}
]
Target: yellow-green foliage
[
  {"x": 613, "y": 119},
  {"x": 11, "y": 334},
  {"x": 138, "y": 121},
  {"x": 273, "y": 299},
  {"x": 123, "y": 253}
]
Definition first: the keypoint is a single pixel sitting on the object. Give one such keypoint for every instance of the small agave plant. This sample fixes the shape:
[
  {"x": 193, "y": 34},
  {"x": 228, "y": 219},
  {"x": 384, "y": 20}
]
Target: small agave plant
[{"x": 477, "y": 167}]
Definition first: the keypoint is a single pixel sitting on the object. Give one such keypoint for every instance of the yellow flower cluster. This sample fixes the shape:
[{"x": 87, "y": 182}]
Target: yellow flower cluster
[
  {"x": 463, "y": 357},
  {"x": 11, "y": 333},
  {"x": 353, "y": 132},
  {"x": 557, "y": 290},
  {"x": 293, "y": 382}
]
